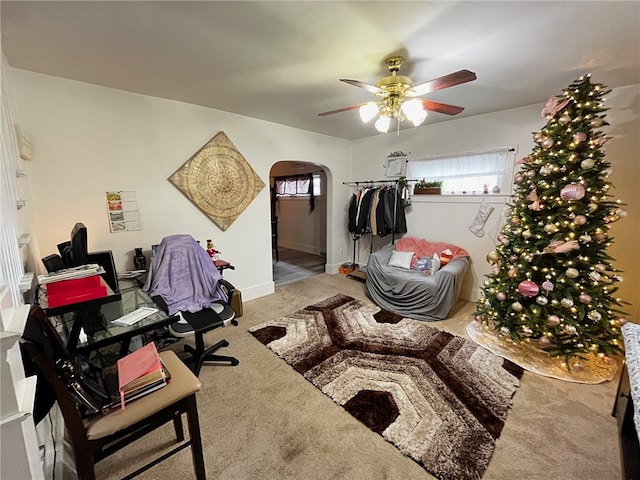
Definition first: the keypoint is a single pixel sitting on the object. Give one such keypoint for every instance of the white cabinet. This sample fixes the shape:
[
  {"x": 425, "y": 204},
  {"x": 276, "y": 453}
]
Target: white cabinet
[{"x": 20, "y": 456}]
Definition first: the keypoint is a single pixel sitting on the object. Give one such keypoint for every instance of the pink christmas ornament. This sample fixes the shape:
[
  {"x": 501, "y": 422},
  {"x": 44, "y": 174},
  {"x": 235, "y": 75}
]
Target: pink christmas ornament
[
  {"x": 547, "y": 285},
  {"x": 527, "y": 288},
  {"x": 584, "y": 298},
  {"x": 622, "y": 321},
  {"x": 579, "y": 137},
  {"x": 597, "y": 122},
  {"x": 553, "y": 320},
  {"x": 518, "y": 178},
  {"x": 501, "y": 296},
  {"x": 580, "y": 220},
  {"x": 578, "y": 366},
  {"x": 572, "y": 191},
  {"x": 544, "y": 342},
  {"x": 547, "y": 142},
  {"x": 478, "y": 318}
]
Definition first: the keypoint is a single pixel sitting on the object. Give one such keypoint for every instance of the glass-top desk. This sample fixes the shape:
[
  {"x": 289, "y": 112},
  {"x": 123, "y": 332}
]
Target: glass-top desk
[{"x": 94, "y": 318}]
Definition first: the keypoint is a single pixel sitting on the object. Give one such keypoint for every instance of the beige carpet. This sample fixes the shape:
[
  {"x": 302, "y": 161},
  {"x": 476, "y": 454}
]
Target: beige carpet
[{"x": 262, "y": 420}]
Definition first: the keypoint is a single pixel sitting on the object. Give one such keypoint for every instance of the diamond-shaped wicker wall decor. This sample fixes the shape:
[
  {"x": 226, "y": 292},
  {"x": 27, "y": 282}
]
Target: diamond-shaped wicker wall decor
[{"x": 218, "y": 180}]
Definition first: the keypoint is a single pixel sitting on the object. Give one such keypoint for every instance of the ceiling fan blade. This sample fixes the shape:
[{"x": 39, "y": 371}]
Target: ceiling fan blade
[
  {"x": 441, "y": 107},
  {"x": 366, "y": 86},
  {"x": 451, "y": 80},
  {"x": 344, "y": 109}
]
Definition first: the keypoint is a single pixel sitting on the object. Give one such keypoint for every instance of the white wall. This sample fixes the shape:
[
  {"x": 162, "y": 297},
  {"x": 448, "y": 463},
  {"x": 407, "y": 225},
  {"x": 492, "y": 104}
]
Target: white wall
[
  {"x": 447, "y": 218},
  {"x": 88, "y": 140}
]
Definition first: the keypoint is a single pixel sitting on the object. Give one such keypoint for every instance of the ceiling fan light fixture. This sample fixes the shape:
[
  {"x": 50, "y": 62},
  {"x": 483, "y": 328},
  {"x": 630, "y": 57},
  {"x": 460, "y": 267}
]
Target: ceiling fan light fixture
[
  {"x": 382, "y": 124},
  {"x": 419, "y": 119},
  {"x": 414, "y": 111},
  {"x": 368, "y": 111}
]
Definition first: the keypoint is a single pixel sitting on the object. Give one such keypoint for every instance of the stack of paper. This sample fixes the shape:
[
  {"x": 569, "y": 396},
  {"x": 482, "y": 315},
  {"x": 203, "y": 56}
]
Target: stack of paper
[{"x": 71, "y": 273}]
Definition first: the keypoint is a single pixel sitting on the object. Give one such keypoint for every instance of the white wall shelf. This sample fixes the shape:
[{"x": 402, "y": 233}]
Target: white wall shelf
[{"x": 23, "y": 240}]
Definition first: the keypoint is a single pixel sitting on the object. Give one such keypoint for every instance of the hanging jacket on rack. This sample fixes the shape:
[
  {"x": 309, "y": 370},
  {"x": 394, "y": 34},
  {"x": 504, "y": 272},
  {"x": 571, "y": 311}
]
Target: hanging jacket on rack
[
  {"x": 364, "y": 214},
  {"x": 400, "y": 224},
  {"x": 379, "y": 211},
  {"x": 353, "y": 208}
]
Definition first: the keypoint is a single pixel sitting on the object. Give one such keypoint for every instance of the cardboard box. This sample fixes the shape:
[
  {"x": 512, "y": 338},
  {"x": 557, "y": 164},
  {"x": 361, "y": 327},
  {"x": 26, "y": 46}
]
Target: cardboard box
[{"x": 77, "y": 290}]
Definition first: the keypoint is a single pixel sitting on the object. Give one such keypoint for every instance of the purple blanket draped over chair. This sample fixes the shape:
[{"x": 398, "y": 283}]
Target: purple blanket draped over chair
[{"x": 184, "y": 275}]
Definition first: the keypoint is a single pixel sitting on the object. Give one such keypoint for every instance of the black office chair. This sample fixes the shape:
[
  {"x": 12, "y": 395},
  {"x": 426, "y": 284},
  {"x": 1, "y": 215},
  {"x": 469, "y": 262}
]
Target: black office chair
[{"x": 190, "y": 294}]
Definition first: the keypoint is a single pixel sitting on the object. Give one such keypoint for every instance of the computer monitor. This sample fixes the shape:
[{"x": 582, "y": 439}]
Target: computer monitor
[
  {"x": 73, "y": 252},
  {"x": 79, "y": 245}
]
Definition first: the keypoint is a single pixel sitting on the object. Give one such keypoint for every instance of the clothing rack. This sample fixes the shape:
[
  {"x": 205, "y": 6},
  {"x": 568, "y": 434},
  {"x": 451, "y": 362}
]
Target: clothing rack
[{"x": 386, "y": 181}]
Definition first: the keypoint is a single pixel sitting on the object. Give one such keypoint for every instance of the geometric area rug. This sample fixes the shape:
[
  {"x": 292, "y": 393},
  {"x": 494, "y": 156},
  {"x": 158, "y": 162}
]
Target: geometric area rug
[{"x": 440, "y": 399}]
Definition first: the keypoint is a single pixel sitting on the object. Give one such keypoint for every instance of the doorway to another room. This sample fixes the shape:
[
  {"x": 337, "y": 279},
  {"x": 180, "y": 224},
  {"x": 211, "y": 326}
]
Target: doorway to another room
[{"x": 298, "y": 220}]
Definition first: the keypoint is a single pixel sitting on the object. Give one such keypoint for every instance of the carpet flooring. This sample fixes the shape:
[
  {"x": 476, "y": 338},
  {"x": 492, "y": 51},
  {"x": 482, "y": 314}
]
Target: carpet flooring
[
  {"x": 261, "y": 420},
  {"x": 441, "y": 399}
]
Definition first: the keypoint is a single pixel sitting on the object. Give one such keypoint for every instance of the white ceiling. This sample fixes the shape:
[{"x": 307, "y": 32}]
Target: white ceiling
[{"x": 280, "y": 61}]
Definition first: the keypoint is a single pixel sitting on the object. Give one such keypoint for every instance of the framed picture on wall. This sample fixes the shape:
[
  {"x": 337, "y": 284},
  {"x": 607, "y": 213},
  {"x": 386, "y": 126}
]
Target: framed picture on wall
[{"x": 395, "y": 167}]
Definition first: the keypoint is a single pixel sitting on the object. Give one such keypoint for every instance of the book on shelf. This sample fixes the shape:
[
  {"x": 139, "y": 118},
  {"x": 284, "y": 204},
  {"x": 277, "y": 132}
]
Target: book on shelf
[{"x": 140, "y": 372}]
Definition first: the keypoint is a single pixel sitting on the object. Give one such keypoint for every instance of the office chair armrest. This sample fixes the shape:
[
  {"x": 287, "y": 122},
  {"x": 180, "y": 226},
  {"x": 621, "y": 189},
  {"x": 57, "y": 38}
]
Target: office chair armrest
[{"x": 228, "y": 288}]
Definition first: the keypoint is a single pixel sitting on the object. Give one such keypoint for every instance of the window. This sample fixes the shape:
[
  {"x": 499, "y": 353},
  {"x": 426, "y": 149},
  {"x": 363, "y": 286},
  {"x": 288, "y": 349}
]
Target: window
[
  {"x": 298, "y": 186},
  {"x": 468, "y": 172}
]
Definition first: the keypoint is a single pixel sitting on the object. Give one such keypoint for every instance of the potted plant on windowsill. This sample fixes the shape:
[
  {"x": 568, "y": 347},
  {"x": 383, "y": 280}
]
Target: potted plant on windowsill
[{"x": 423, "y": 187}]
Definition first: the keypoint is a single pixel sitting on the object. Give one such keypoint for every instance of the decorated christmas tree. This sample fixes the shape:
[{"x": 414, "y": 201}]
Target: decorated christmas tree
[{"x": 552, "y": 283}]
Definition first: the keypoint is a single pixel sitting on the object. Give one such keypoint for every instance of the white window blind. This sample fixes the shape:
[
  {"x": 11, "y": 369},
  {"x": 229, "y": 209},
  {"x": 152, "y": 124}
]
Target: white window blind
[
  {"x": 466, "y": 172},
  {"x": 298, "y": 186},
  {"x": 11, "y": 268}
]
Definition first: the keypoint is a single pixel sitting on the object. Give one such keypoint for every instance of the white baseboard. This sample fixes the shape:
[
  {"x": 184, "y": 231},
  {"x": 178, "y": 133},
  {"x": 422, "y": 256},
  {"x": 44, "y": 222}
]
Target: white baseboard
[
  {"x": 257, "y": 291},
  {"x": 301, "y": 247}
]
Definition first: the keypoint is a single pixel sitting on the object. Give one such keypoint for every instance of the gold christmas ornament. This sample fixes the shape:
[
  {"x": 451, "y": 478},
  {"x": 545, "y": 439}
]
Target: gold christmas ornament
[{"x": 493, "y": 257}]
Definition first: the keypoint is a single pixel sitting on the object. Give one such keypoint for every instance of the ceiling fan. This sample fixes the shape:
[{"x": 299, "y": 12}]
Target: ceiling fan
[{"x": 397, "y": 96}]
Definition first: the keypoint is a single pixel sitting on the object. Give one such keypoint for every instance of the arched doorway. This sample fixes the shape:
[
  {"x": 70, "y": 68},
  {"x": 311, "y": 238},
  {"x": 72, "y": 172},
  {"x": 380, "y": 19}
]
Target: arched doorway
[{"x": 298, "y": 219}]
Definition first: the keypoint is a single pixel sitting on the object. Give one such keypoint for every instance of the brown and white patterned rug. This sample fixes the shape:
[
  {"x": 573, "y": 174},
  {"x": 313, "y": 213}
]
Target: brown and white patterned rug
[{"x": 440, "y": 399}]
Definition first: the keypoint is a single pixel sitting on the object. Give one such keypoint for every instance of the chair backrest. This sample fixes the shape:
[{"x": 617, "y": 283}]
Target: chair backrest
[
  {"x": 68, "y": 407},
  {"x": 53, "y": 347},
  {"x": 184, "y": 275}
]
